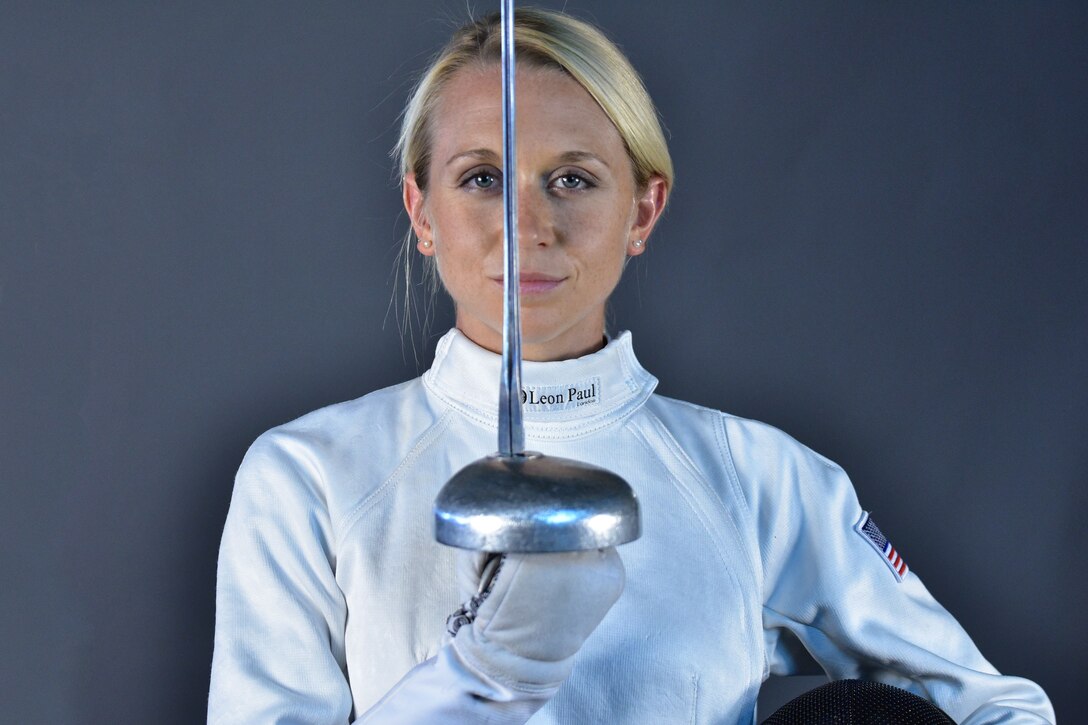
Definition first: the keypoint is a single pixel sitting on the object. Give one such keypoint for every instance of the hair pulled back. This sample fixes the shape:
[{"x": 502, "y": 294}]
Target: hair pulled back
[{"x": 546, "y": 39}]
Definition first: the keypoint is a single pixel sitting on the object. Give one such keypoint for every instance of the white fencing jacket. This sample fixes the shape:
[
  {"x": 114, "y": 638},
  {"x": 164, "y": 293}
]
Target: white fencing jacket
[{"x": 332, "y": 590}]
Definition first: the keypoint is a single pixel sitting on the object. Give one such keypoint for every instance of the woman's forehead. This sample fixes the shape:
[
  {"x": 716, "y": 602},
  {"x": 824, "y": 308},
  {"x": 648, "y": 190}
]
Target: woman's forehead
[{"x": 554, "y": 112}]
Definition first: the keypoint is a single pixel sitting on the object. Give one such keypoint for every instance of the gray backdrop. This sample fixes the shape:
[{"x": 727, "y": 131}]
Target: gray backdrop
[{"x": 877, "y": 242}]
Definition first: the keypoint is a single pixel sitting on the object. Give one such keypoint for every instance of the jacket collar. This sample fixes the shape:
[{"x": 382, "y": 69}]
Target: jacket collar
[{"x": 562, "y": 400}]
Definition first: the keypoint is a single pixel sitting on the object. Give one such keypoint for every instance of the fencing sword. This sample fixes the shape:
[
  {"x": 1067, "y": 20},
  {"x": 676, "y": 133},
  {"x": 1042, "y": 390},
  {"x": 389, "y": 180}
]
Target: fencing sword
[{"x": 517, "y": 500}]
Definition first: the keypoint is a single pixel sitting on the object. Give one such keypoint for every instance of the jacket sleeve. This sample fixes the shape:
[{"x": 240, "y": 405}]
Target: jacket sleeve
[
  {"x": 280, "y": 617},
  {"x": 839, "y": 589}
]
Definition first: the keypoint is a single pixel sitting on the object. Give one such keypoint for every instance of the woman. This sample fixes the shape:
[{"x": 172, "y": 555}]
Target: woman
[{"x": 333, "y": 596}]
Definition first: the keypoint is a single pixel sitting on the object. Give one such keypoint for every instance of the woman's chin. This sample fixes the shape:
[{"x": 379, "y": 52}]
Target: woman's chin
[
  {"x": 546, "y": 334},
  {"x": 559, "y": 342}
]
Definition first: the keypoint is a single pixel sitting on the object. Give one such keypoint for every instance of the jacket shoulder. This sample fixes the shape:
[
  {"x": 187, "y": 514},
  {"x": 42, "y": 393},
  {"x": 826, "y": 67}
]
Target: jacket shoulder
[
  {"x": 329, "y": 424},
  {"x": 686, "y": 415},
  {"x": 341, "y": 452},
  {"x": 756, "y": 453}
]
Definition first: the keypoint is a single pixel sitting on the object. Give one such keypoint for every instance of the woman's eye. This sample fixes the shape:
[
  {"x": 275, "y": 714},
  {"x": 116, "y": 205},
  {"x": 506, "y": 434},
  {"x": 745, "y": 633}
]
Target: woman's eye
[
  {"x": 482, "y": 180},
  {"x": 571, "y": 181}
]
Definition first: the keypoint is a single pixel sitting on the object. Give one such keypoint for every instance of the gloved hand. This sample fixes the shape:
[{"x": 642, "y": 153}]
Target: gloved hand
[
  {"x": 515, "y": 642},
  {"x": 539, "y": 611}
]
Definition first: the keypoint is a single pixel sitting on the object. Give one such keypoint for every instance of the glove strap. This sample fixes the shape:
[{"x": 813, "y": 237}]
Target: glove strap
[{"x": 467, "y": 613}]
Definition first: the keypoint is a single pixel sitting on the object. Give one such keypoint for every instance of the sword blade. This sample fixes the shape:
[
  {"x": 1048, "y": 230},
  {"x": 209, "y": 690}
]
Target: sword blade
[{"x": 511, "y": 428}]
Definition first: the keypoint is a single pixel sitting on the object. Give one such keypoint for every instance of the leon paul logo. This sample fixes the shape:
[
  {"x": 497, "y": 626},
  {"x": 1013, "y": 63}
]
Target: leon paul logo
[{"x": 563, "y": 396}]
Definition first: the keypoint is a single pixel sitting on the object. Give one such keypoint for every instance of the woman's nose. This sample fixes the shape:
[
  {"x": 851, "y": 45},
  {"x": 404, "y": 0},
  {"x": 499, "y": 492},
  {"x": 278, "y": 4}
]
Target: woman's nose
[{"x": 534, "y": 219}]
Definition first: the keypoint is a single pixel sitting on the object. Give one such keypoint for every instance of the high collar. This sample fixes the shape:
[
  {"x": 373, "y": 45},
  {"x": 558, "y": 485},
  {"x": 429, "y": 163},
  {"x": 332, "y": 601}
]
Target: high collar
[{"x": 562, "y": 400}]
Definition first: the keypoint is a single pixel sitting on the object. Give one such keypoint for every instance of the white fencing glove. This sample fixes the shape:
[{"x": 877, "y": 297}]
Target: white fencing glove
[
  {"x": 514, "y": 641},
  {"x": 533, "y": 616}
]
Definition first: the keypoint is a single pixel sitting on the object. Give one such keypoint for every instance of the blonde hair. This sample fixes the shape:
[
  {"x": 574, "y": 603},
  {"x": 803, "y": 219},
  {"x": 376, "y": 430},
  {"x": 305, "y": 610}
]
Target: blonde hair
[
  {"x": 548, "y": 39},
  {"x": 542, "y": 39}
]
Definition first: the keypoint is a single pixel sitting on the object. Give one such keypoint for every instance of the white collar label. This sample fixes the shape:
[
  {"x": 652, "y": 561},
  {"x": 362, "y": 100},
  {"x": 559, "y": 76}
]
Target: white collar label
[{"x": 565, "y": 396}]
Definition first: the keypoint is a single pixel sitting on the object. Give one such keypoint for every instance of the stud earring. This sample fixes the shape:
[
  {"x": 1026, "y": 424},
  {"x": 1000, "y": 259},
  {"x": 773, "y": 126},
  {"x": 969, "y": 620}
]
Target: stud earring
[
  {"x": 637, "y": 244},
  {"x": 427, "y": 243}
]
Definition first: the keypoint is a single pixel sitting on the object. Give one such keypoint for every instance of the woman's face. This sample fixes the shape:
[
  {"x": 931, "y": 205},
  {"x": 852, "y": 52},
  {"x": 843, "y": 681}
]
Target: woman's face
[{"x": 579, "y": 211}]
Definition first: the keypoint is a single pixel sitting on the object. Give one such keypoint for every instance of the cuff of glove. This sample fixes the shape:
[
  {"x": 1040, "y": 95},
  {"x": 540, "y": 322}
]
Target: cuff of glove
[{"x": 533, "y": 678}]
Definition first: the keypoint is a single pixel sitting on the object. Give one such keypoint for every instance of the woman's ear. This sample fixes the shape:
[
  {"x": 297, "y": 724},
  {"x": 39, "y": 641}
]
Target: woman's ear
[
  {"x": 648, "y": 208},
  {"x": 417, "y": 214}
]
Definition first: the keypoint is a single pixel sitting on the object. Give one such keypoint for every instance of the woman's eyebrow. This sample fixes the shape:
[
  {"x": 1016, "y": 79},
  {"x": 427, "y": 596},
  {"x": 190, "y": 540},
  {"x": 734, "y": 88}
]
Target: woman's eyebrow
[
  {"x": 480, "y": 154},
  {"x": 567, "y": 157},
  {"x": 572, "y": 157}
]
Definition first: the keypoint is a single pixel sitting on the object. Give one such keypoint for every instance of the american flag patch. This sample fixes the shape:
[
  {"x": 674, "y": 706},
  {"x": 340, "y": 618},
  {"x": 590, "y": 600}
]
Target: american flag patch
[{"x": 871, "y": 533}]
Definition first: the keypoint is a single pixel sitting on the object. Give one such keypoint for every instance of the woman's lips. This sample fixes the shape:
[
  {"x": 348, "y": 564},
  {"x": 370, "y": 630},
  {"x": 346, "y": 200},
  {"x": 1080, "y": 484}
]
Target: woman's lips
[{"x": 533, "y": 284}]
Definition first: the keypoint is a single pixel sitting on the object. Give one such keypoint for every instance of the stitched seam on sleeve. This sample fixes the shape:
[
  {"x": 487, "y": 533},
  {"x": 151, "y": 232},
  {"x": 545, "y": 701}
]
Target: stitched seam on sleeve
[
  {"x": 757, "y": 562},
  {"x": 721, "y": 437},
  {"x": 425, "y": 441},
  {"x": 689, "y": 465},
  {"x": 701, "y": 516},
  {"x": 726, "y": 452},
  {"x": 694, "y": 698}
]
